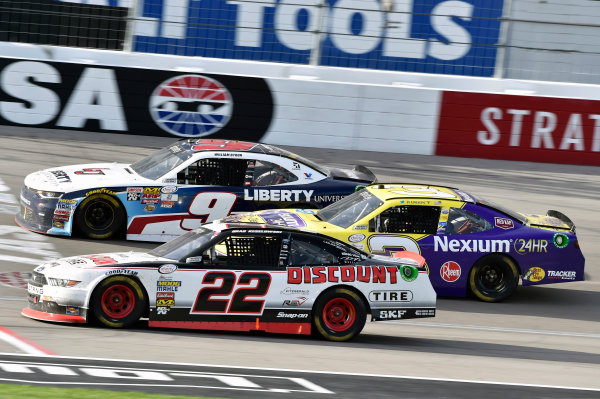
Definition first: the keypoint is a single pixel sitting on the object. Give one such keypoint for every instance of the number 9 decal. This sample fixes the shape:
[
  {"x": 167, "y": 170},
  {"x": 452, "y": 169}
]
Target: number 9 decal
[{"x": 208, "y": 206}]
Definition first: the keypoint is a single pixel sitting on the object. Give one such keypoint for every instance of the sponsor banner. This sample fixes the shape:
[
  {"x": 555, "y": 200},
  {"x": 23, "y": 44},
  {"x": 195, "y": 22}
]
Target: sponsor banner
[
  {"x": 434, "y": 36},
  {"x": 519, "y": 128},
  {"x": 72, "y": 96}
]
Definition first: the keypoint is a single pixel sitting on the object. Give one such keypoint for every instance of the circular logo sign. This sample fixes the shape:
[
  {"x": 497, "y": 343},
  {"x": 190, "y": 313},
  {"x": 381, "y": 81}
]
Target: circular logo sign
[
  {"x": 560, "y": 240},
  {"x": 534, "y": 274},
  {"x": 191, "y": 106},
  {"x": 356, "y": 237},
  {"x": 450, "y": 271}
]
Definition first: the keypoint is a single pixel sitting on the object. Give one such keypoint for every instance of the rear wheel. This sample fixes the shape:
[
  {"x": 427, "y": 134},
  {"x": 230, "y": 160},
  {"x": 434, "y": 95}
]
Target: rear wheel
[
  {"x": 99, "y": 216},
  {"x": 339, "y": 314},
  {"x": 118, "y": 302},
  {"x": 493, "y": 278}
]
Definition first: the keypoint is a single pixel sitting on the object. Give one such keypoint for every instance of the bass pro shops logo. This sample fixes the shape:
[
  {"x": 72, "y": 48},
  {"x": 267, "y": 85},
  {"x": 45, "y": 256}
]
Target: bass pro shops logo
[{"x": 191, "y": 106}]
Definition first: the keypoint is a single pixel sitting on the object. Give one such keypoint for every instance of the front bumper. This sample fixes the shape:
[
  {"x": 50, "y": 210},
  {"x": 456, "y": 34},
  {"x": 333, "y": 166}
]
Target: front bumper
[
  {"x": 49, "y": 303},
  {"x": 36, "y": 213}
]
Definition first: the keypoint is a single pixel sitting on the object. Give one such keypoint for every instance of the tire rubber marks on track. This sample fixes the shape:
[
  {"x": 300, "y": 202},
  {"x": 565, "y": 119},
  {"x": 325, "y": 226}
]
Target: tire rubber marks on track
[{"x": 15, "y": 242}]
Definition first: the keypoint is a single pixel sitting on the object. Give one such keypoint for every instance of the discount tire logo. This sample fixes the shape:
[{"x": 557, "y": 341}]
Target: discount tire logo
[{"x": 191, "y": 106}]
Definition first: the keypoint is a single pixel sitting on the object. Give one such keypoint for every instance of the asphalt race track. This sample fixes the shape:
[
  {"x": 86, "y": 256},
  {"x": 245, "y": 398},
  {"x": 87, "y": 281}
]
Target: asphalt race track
[{"x": 542, "y": 342}]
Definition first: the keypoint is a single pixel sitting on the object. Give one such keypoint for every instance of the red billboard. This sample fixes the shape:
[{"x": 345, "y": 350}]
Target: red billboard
[{"x": 520, "y": 128}]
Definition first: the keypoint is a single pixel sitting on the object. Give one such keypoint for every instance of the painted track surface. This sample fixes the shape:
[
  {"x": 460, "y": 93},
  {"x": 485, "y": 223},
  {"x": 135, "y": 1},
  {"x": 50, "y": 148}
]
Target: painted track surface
[{"x": 543, "y": 335}]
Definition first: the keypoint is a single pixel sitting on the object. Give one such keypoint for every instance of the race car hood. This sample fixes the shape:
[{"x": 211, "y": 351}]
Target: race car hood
[
  {"x": 107, "y": 260},
  {"x": 81, "y": 177},
  {"x": 546, "y": 221},
  {"x": 299, "y": 218},
  {"x": 358, "y": 173}
]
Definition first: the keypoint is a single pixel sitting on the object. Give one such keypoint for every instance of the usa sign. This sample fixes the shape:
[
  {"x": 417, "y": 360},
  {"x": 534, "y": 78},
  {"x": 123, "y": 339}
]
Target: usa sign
[
  {"x": 133, "y": 100},
  {"x": 521, "y": 128}
]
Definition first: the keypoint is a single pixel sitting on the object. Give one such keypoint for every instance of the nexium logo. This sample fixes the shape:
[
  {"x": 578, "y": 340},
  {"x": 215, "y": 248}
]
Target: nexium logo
[{"x": 445, "y": 245}]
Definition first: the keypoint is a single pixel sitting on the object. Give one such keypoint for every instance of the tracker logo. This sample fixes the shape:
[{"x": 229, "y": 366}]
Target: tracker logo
[
  {"x": 450, "y": 271},
  {"x": 191, "y": 106}
]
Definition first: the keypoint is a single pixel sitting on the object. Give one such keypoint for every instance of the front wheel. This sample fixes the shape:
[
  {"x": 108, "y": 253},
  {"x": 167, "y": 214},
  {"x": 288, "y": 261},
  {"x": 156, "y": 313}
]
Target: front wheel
[
  {"x": 100, "y": 216},
  {"x": 339, "y": 314},
  {"x": 118, "y": 302},
  {"x": 493, "y": 278}
]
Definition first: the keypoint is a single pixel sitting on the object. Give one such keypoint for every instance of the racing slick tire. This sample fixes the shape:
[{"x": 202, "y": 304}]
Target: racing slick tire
[
  {"x": 118, "y": 302},
  {"x": 99, "y": 216},
  {"x": 339, "y": 314},
  {"x": 493, "y": 278}
]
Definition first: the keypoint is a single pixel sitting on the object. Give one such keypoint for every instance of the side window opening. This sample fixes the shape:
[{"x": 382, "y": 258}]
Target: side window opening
[
  {"x": 246, "y": 252},
  {"x": 462, "y": 221},
  {"x": 214, "y": 172},
  {"x": 305, "y": 251},
  {"x": 407, "y": 219},
  {"x": 269, "y": 174}
]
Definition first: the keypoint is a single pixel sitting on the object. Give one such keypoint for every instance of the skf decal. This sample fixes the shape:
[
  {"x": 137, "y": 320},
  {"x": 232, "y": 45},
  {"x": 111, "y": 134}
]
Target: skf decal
[
  {"x": 391, "y": 314},
  {"x": 534, "y": 274},
  {"x": 450, "y": 271},
  {"x": 346, "y": 274}
]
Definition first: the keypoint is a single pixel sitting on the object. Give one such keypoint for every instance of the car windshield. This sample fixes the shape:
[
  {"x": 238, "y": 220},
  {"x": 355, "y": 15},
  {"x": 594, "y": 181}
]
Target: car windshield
[
  {"x": 161, "y": 162},
  {"x": 182, "y": 246},
  {"x": 350, "y": 209}
]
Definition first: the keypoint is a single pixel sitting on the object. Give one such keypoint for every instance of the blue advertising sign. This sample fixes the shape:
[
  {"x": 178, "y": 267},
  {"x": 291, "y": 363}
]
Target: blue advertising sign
[{"x": 456, "y": 37}]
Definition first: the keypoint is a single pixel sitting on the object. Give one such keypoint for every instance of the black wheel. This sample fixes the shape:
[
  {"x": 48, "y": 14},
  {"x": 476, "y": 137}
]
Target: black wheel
[
  {"x": 118, "y": 302},
  {"x": 339, "y": 314},
  {"x": 99, "y": 216},
  {"x": 493, "y": 278}
]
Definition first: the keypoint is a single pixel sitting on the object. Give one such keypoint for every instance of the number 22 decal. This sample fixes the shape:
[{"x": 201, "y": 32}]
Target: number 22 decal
[{"x": 252, "y": 284}]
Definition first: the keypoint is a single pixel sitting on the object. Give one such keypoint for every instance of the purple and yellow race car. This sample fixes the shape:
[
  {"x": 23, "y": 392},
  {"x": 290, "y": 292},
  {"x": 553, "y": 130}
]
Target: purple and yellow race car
[{"x": 470, "y": 244}]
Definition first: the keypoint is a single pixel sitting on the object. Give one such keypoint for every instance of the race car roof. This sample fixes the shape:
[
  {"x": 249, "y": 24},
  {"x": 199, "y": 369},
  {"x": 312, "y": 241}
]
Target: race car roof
[
  {"x": 197, "y": 145},
  {"x": 410, "y": 190}
]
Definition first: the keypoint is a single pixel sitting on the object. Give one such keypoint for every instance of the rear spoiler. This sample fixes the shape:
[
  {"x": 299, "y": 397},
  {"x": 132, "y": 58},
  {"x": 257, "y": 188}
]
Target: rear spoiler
[
  {"x": 563, "y": 218},
  {"x": 359, "y": 173}
]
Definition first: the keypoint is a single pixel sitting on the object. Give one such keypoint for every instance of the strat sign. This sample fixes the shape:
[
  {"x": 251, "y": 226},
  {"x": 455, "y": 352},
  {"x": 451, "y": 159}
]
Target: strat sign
[
  {"x": 540, "y": 129},
  {"x": 451, "y": 36}
]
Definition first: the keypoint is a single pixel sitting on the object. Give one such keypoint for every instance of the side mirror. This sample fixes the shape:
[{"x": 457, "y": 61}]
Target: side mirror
[{"x": 194, "y": 259}]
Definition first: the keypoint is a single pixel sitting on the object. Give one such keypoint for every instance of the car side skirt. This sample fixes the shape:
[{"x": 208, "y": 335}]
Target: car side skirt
[{"x": 270, "y": 327}]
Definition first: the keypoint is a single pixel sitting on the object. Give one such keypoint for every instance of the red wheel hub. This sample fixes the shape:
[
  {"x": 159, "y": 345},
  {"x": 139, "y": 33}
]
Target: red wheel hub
[
  {"x": 339, "y": 314},
  {"x": 118, "y": 301}
]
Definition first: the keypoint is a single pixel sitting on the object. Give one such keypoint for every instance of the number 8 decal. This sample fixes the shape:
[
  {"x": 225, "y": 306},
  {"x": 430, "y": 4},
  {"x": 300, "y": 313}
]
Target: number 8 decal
[{"x": 208, "y": 206}]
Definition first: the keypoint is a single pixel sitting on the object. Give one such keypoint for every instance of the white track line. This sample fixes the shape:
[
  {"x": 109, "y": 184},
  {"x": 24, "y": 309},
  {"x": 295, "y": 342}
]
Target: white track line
[
  {"x": 23, "y": 344},
  {"x": 220, "y": 366},
  {"x": 501, "y": 329}
]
